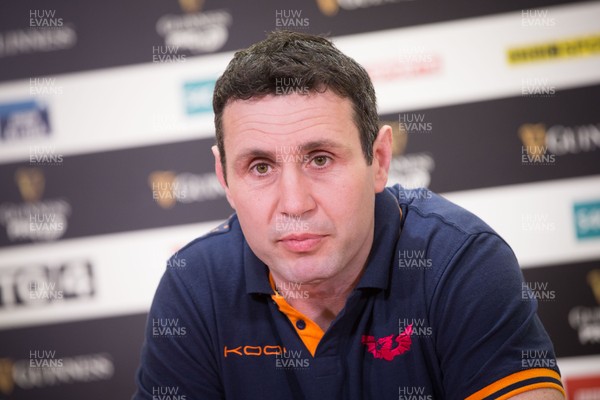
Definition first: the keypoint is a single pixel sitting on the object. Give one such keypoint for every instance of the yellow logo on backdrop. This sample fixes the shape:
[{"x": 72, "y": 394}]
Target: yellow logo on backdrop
[
  {"x": 191, "y": 6},
  {"x": 31, "y": 183},
  {"x": 328, "y": 7},
  {"x": 570, "y": 48},
  {"x": 399, "y": 137},
  {"x": 593, "y": 278},
  {"x": 533, "y": 137},
  {"x": 331, "y": 7},
  {"x": 6, "y": 376},
  {"x": 162, "y": 184}
]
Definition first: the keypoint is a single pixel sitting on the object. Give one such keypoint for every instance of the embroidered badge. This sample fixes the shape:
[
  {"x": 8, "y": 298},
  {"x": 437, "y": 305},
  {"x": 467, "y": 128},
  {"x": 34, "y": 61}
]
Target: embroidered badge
[{"x": 382, "y": 348}]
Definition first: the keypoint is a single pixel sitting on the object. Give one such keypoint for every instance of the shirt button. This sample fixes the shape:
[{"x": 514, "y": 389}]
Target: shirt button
[{"x": 300, "y": 324}]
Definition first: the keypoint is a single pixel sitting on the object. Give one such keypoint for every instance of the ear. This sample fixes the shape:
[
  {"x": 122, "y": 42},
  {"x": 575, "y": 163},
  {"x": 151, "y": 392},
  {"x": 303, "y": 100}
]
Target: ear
[
  {"x": 221, "y": 175},
  {"x": 382, "y": 157}
]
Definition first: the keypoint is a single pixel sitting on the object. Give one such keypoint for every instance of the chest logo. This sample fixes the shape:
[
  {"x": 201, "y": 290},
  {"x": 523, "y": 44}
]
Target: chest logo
[{"x": 382, "y": 348}]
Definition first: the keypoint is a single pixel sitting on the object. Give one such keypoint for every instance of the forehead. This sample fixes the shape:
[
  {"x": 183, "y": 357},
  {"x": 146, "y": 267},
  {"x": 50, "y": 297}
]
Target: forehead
[{"x": 287, "y": 116}]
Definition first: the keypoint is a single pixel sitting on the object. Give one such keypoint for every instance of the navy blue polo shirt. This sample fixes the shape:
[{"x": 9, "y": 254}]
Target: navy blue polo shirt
[{"x": 441, "y": 312}]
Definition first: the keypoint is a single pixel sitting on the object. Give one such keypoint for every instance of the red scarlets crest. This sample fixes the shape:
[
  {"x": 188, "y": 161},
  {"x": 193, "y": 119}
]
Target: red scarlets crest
[{"x": 382, "y": 348}]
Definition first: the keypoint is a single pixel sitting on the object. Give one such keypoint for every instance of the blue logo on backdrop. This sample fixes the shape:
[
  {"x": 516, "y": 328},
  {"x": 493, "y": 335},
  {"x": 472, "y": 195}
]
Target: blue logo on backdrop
[
  {"x": 198, "y": 96},
  {"x": 24, "y": 120},
  {"x": 587, "y": 219}
]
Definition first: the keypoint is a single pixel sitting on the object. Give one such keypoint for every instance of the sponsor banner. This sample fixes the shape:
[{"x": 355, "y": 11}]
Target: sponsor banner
[
  {"x": 583, "y": 387},
  {"x": 577, "y": 368},
  {"x": 497, "y": 142},
  {"x": 64, "y": 38},
  {"x": 569, "y": 308},
  {"x": 575, "y": 47},
  {"x": 536, "y": 219},
  {"x": 45, "y": 283},
  {"x": 168, "y": 98},
  {"x": 127, "y": 107},
  {"x": 466, "y": 61},
  {"x": 164, "y": 32},
  {"x": 88, "y": 277},
  {"x": 94, "y": 359},
  {"x": 54, "y": 197}
]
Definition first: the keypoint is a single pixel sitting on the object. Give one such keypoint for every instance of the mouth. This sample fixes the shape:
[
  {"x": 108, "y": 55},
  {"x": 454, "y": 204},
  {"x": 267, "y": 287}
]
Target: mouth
[{"x": 301, "y": 243}]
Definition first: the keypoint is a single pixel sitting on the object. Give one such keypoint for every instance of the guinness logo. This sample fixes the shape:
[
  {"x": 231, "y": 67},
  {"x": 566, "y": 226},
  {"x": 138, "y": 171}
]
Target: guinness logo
[
  {"x": 533, "y": 137},
  {"x": 328, "y": 7},
  {"x": 31, "y": 183},
  {"x": 6, "y": 378},
  {"x": 162, "y": 184},
  {"x": 399, "y": 137},
  {"x": 191, "y": 6},
  {"x": 593, "y": 279}
]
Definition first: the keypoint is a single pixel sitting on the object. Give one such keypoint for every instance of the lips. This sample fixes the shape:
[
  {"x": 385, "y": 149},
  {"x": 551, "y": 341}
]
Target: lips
[{"x": 301, "y": 243}]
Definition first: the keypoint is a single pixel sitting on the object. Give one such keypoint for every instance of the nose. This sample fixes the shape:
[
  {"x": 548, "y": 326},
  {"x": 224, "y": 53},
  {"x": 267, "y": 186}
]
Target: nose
[{"x": 295, "y": 192}]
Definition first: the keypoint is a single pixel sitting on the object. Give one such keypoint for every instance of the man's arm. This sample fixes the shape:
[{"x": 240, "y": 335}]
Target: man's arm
[
  {"x": 491, "y": 343},
  {"x": 540, "y": 394},
  {"x": 177, "y": 357}
]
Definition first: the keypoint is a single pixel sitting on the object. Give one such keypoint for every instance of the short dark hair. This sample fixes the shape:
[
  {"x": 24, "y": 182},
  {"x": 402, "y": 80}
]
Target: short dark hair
[{"x": 314, "y": 64}]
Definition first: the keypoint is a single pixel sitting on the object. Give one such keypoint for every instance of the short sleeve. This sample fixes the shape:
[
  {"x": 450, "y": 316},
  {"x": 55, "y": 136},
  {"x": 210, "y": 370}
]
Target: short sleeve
[
  {"x": 489, "y": 339},
  {"x": 176, "y": 358}
]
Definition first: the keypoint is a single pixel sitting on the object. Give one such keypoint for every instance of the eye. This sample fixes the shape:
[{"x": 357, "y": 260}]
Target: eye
[
  {"x": 261, "y": 168},
  {"x": 321, "y": 161}
]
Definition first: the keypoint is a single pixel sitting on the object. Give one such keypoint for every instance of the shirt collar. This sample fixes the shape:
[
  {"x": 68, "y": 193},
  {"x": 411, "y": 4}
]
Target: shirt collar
[
  {"x": 387, "y": 231},
  {"x": 388, "y": 216},
  {"x": 257, "y": 273}
]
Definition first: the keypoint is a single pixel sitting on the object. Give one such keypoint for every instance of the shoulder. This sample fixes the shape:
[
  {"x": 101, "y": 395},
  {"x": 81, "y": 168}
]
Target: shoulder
[
  {"x": 452, "y": 238},
  {"x": 214, "y": 259},
  {"x": 433, "y": 211},
  {"x": 218, "y": 240}
]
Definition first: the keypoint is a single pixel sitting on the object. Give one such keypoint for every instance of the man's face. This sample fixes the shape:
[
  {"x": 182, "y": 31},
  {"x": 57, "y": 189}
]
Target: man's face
[{"x": 301, "y": 186}]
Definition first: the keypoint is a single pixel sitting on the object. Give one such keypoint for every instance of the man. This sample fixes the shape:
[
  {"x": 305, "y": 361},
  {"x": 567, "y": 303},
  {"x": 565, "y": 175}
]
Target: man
[{"x": 325, "y": 284}]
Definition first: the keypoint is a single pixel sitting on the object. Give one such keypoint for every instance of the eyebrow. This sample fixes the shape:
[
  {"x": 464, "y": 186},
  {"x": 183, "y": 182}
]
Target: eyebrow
[
  {"x": 307, "y": 147},
  {"x": 321, "y": 144}
]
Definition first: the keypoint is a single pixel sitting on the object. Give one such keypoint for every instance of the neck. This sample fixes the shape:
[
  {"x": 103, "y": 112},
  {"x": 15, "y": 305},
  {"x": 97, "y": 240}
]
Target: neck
[{"x": 324, "y": 299}]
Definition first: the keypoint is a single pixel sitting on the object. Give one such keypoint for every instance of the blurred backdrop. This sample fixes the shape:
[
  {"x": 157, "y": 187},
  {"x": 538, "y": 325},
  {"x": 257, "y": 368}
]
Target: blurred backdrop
[{"x": 105, "y": 166}]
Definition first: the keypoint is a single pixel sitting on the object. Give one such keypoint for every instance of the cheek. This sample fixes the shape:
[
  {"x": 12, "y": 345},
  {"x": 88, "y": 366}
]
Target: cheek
[
  {"x": 352, "y": 191},
  {"x": 252, "y": 211},
  {"x": 348, "y": 204},
  {"x": 361, "y": 202}
]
